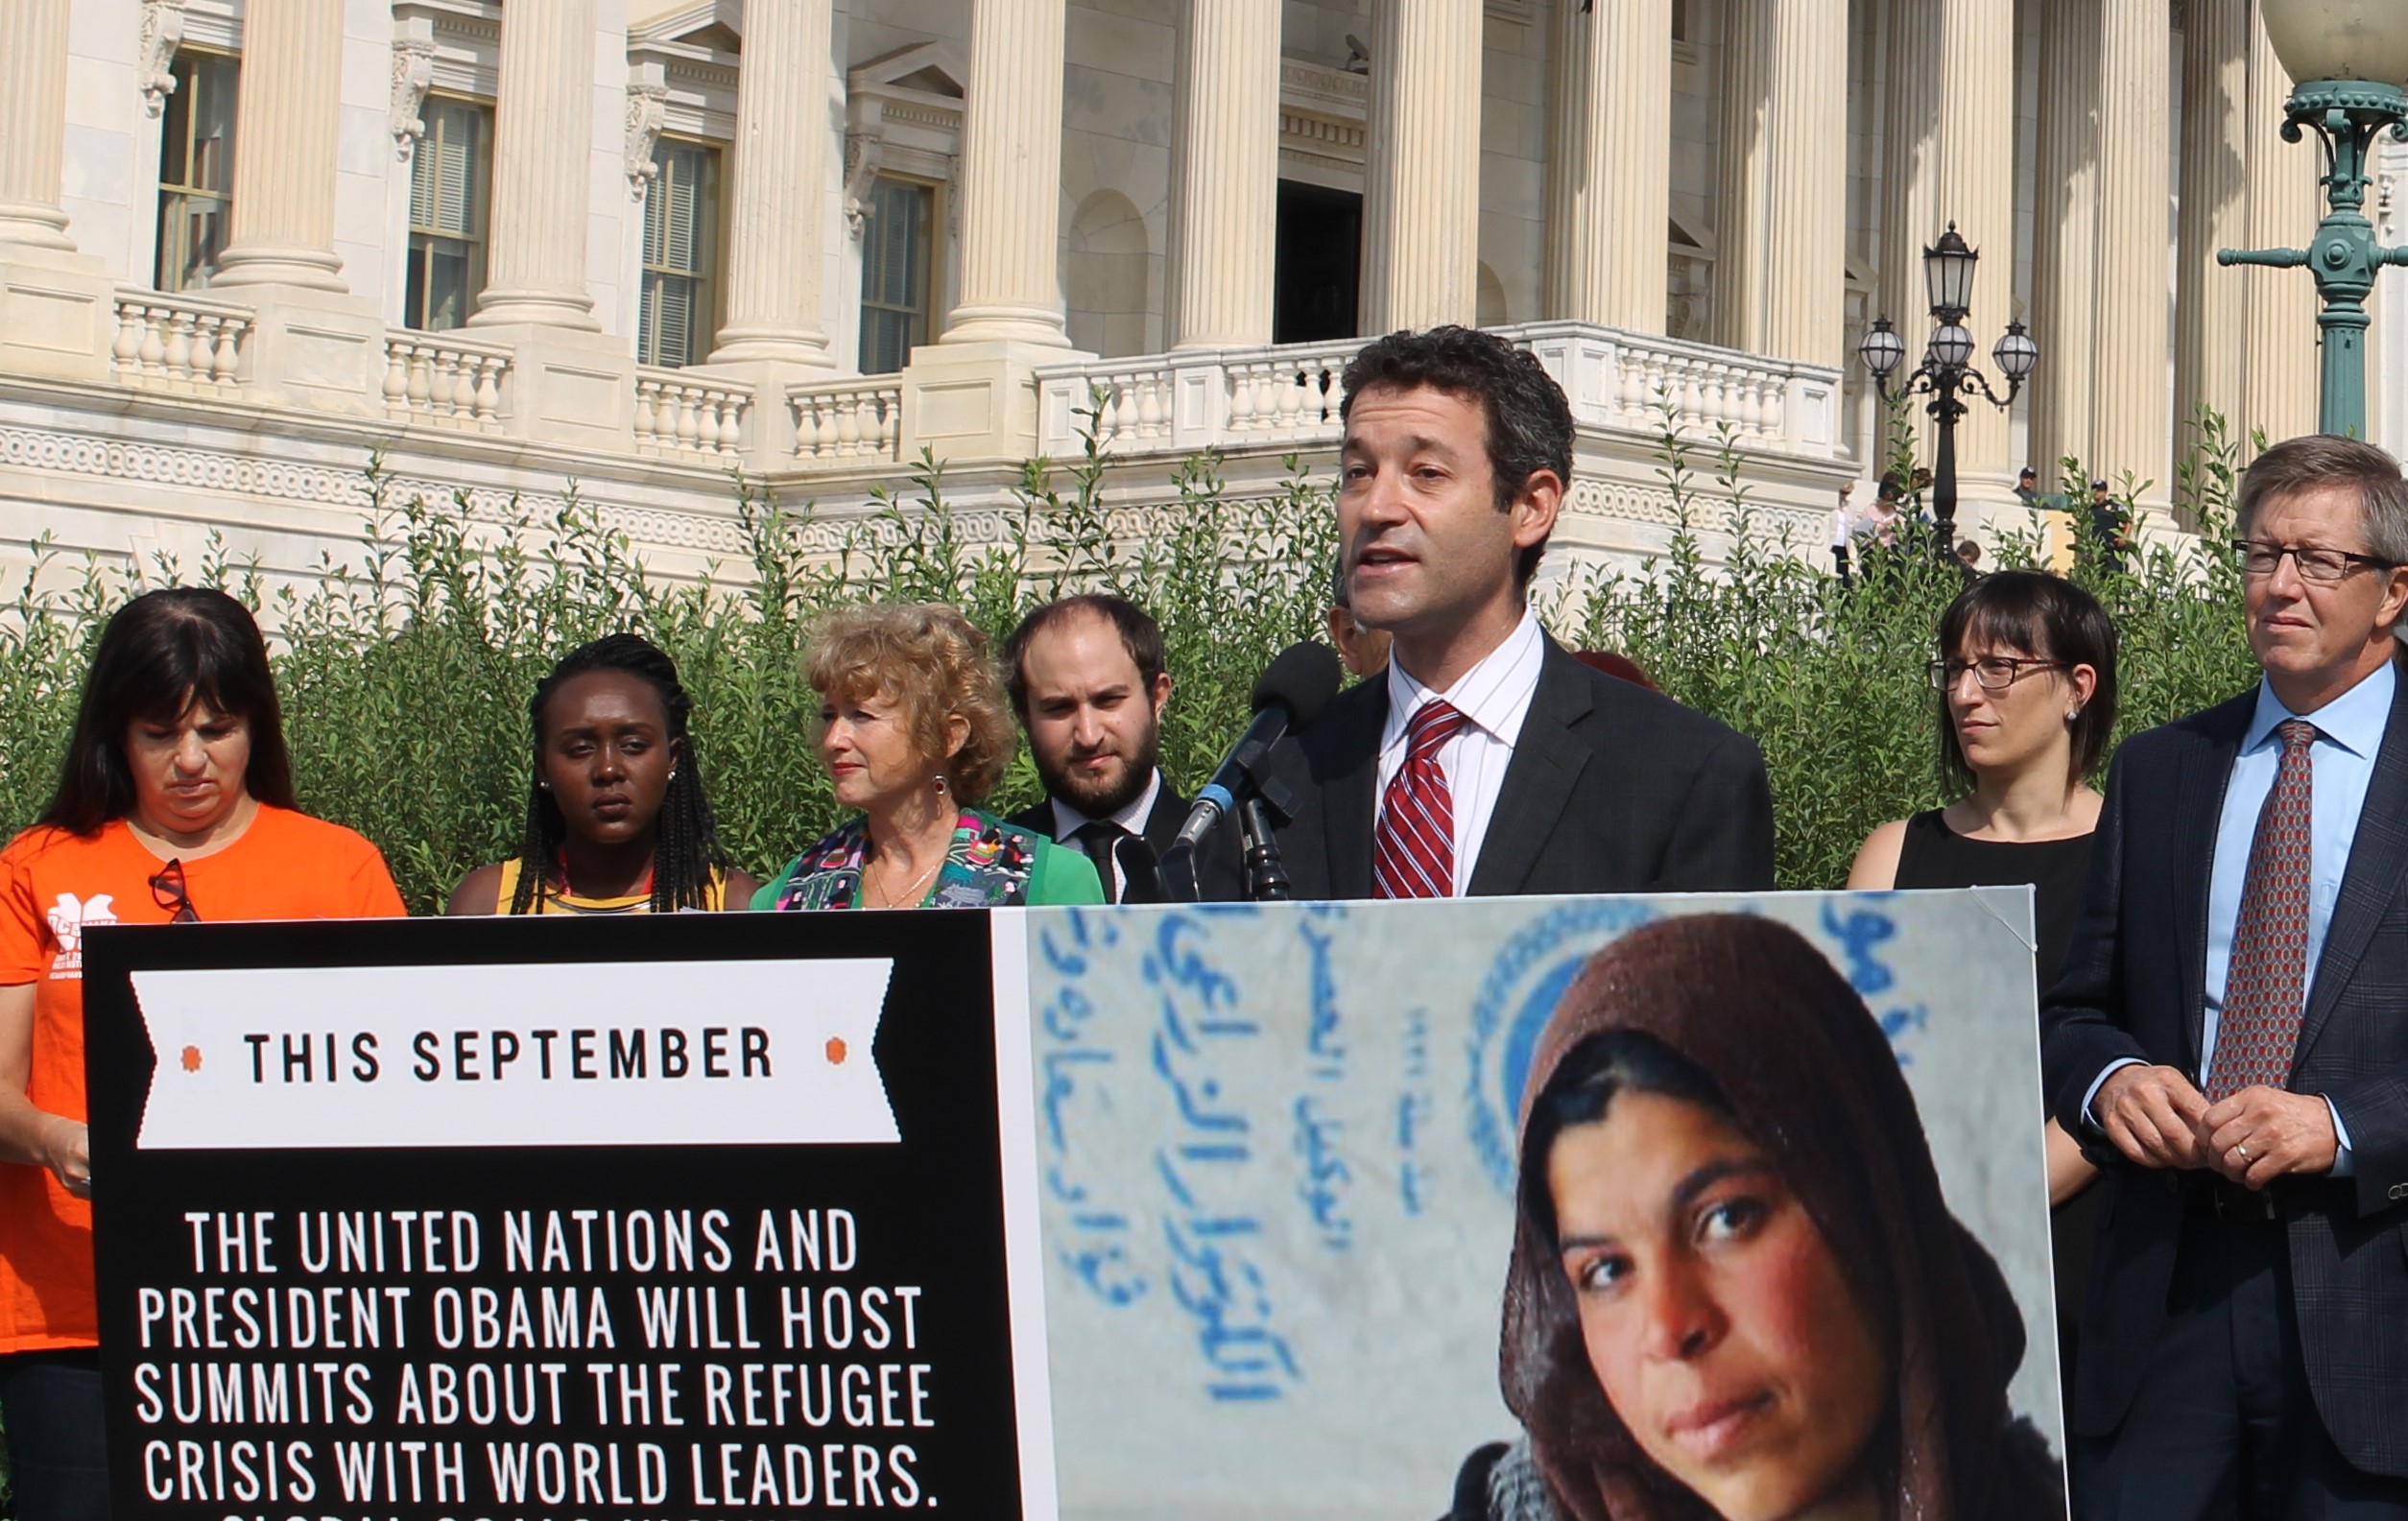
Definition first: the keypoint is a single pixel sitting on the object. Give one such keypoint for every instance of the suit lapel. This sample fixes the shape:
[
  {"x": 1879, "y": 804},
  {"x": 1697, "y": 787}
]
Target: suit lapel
[
  {"x": 2377, "y": 856},
  {"x": 1164, "y": 820},
  {"x": 1349, "y": 792},
  {"x": 2205, "y": 771},
  {"x": 1538, "y": 780}
]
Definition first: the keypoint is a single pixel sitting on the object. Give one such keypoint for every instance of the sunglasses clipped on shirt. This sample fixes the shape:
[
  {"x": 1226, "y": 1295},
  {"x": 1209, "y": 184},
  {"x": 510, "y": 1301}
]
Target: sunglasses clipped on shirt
[{"x": 168, "y": 891}]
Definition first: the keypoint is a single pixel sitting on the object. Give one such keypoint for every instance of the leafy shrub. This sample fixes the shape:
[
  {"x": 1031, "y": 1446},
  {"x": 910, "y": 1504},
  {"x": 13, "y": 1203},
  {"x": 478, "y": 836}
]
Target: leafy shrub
[
  {"x": 1830, "y": 678},
  {"x": 406, "y": 674}
]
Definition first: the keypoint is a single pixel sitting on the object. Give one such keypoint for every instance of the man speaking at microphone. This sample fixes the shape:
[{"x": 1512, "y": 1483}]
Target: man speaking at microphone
[{"x": 1487, "y": 760}]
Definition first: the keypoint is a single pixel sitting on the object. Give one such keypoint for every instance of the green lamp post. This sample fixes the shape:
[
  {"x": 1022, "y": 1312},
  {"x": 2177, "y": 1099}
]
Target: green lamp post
[{"x": 2351, "y": 57}]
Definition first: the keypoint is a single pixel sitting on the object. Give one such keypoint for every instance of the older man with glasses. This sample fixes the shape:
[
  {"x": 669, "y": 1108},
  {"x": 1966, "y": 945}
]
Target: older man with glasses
[{"x": 2229, "y": 1043}]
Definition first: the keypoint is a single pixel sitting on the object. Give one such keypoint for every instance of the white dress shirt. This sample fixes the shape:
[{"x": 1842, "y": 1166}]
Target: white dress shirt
[
  {"x": 1068, "y": 821},
  {"x": 1494, "y": 694}
]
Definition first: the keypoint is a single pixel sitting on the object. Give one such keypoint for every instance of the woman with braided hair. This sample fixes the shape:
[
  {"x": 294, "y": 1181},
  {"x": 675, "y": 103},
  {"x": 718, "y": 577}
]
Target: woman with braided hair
[{"x": 617, "y": 820}]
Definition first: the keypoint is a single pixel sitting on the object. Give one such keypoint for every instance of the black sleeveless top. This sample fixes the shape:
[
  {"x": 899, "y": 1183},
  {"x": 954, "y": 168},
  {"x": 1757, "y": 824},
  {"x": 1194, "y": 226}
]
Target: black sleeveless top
[{"x": 1934, "y": 855}]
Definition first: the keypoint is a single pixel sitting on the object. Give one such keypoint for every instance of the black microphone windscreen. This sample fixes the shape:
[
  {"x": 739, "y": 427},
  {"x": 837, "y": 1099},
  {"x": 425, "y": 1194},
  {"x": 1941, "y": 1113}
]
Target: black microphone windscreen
[
  {"x": 1302, "y": 680},
  {"x": 1140, "y": 870}
]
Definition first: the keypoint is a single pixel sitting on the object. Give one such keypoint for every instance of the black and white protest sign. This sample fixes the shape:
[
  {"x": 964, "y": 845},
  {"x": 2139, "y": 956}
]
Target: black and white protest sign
[{"x": 700, "y": 1216}]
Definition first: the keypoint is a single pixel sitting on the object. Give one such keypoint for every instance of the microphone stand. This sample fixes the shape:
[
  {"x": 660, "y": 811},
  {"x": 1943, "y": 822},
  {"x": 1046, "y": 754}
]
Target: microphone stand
[
  {"x": 1264, "y": 804},
  {"x": 1265, "y": 877}
]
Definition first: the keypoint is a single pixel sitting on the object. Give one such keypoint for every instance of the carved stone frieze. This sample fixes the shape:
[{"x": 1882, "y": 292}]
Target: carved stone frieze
[
  {"x": 646, "y": 114},
  {"x": 163, "y": 31},
  {"x": 413, "y": 76}
]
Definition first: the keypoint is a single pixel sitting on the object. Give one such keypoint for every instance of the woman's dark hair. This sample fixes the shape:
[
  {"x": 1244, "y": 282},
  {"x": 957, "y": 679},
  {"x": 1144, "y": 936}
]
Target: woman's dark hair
[
  {"x": 685, "y": 849},
  {"x": 2048, "y": 618},
  {"x": 161, "y": 653},
  {"x": 1599, "y": 1070}
]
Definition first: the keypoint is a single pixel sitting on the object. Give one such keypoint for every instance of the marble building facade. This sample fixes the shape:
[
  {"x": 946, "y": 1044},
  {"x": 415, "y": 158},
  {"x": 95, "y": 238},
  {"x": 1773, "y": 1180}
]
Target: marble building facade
[{"x": 642, "y": 243}]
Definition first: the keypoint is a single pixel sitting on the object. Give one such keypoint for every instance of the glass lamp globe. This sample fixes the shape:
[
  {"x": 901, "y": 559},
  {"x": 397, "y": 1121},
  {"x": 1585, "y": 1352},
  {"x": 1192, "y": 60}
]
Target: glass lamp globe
[
  {"x": 2016, "y": 354},
  {"x": 1952, "y": 344},
  {"x": 2340, "y": 40},
  {"x": 1882, "y": 350}
]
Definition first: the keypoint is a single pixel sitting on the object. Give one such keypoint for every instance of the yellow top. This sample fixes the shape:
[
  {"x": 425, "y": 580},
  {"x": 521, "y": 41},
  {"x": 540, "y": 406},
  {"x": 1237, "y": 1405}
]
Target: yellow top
[{"x": 714, "y": 898}]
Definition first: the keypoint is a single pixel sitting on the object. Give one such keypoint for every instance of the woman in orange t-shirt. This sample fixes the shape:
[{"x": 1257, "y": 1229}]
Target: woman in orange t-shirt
[{"x": 175, "y": 805}]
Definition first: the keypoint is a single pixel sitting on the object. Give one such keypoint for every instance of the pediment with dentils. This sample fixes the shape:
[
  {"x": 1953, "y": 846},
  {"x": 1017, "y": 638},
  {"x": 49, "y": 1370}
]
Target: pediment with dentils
[{"x": 936, "y": 68}]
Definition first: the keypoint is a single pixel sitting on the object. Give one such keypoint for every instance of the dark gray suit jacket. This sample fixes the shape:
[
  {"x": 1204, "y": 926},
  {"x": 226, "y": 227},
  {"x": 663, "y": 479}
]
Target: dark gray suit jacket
[
  {"x": 1612, "y": 788},
  {"x": 2134, "y": 986}
]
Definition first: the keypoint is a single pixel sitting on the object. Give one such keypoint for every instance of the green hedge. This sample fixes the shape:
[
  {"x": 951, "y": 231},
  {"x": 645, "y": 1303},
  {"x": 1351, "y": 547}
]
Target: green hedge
[{"x": 405, "y": 674}]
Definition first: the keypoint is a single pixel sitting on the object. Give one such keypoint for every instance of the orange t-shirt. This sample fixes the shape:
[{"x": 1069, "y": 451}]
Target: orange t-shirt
[{"x": 286, "y": 866}]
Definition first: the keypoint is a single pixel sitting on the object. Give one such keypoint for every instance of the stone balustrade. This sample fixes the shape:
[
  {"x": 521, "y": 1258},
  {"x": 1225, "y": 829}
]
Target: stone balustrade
[
  {"x": 680, "y": 414},
  {"x": 1289, "y": 396},
  {"x": 439, "y": 381},
  {"x": 847, "y": 422},
  {"x": 178, "y": 342}
]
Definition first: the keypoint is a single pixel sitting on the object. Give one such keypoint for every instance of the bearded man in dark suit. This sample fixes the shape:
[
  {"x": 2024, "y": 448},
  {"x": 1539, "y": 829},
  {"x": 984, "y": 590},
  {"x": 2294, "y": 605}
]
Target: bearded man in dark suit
[
  {"x": 1486, "y": 759},
  {"x": 1087, "y": 678},
  {"x": 2230, "y": 1040}
]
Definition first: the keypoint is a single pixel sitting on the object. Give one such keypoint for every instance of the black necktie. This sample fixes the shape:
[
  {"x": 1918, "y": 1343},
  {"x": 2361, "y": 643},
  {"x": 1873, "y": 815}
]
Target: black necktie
[{"x": 1096, "y": 838}]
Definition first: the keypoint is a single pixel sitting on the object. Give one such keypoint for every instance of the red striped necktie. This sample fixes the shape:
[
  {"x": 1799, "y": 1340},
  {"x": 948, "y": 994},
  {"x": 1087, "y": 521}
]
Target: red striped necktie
[{"x": 1412, "y": 852}]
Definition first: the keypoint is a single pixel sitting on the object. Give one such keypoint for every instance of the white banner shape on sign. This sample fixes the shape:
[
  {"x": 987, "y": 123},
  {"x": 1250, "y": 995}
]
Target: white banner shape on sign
[{"x": 678, "y": 1052}]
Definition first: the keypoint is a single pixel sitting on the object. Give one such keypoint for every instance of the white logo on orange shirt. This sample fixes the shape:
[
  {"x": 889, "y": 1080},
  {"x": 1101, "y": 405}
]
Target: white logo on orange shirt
[{"x": 69, "y": 921}]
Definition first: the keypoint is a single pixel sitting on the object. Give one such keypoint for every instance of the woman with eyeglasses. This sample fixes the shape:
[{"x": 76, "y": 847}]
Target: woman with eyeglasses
[
  {"x": 2026, "y": 680},
  {"x": 175, "y": 805}
]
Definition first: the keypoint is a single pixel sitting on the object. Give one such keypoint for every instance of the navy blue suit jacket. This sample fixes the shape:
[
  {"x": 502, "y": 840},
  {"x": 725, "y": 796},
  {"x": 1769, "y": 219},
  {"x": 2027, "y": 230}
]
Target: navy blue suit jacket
[{"x": 2134, "y": 985}]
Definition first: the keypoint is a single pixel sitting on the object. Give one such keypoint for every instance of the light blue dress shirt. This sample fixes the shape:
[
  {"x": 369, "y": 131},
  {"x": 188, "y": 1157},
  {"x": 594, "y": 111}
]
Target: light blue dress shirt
[{"x": 2341, "y": 763}]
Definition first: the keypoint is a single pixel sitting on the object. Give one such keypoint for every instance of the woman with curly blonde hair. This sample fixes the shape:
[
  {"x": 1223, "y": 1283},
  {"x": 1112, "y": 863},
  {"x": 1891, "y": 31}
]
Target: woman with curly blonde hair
[{"x": 915, "y": 730}]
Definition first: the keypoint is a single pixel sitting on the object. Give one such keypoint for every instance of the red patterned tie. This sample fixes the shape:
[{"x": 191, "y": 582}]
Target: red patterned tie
[
  {"x": 1413, "y": 853},
  {"x": 2265, "y": 984}
]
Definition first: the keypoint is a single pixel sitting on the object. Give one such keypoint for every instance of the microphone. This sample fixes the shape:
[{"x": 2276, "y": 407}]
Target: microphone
[
  {"x": 1140, "y": 870},
  {"x": 1288, "y": 697}
]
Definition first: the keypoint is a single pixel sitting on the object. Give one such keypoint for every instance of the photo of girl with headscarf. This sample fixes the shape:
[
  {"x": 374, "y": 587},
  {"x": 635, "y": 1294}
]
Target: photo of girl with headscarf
[{"x": 1737, "y": 1290}]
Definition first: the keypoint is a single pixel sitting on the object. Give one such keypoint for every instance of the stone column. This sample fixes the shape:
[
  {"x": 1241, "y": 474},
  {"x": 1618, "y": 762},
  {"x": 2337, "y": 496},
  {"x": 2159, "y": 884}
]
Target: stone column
[
  {"x": 287, "y": 119},
  {"x": 1949, "y": 157},
  {"x": 1422, "y": 186},
  {"x": 2132, "y": 427},
  {"x": 2279, "y": 371},
  {"x": 33, "y": 121},
  {"x": 775, "y": 239},
  {"x": 2208, "y": 309},
  {"x": 542, "y": 169},
  {"x": 1781, "y": 192},
  {"x": 1227, "y": 202},
  {"x": 2065, "y": 234},
  {"x": 1609, "y": 186},
  {"x": 1012, "y": 176}
]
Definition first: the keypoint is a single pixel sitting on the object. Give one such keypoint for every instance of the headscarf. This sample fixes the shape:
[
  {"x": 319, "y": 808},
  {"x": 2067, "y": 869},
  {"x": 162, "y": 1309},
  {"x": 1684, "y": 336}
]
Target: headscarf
[{"x": 1810, "y": 1078}]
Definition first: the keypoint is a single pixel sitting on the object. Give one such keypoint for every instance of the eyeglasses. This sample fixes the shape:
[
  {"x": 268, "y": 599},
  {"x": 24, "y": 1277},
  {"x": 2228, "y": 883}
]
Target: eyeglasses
[
  {"x": 168, "y": 891},
  {"x": 2314, "y": 561},
  {"x": 1995, "y": 673}
]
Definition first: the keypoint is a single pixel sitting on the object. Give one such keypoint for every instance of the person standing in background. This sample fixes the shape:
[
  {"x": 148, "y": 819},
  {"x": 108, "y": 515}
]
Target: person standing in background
[
  {"x": 2027, "y": 700},
  {"x": 2227, "y": 1043},
  {"x": 1087, "y": 678},
  {"x": 1842, "y": 529}
]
